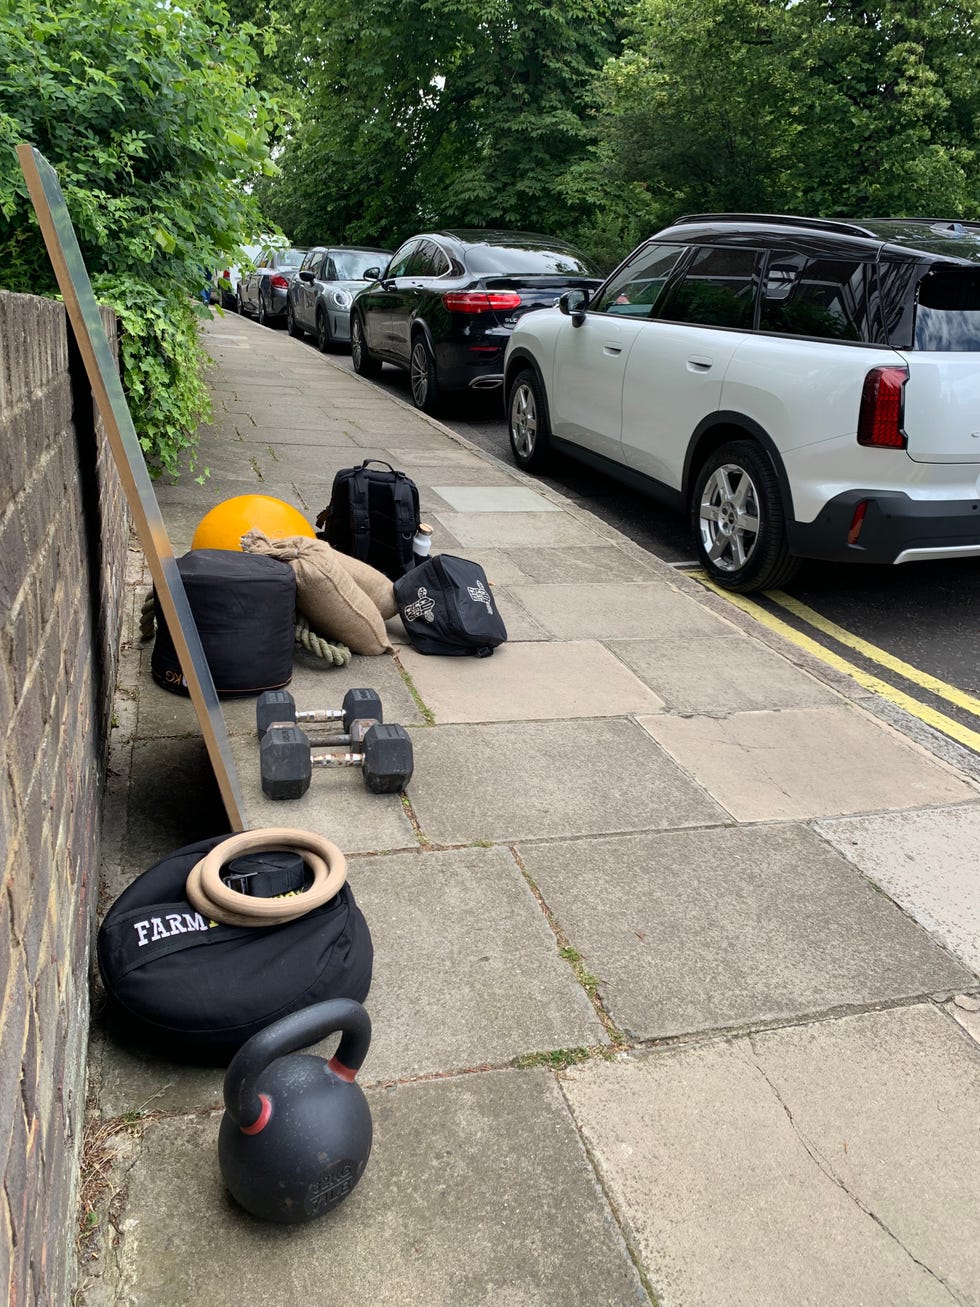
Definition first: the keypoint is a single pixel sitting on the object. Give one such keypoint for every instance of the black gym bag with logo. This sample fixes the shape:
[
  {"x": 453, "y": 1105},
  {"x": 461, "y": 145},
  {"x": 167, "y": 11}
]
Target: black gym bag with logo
[
  {"x": 447, "y": 607},
  {"x": 244, "y": 607},
  {"x": 193, "y": 990},
  {"x": 373, "y": 515}
]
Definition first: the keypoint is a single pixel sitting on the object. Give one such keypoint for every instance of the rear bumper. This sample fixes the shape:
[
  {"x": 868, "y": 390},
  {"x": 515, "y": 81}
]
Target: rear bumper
[{"x": 896, "y": 529}]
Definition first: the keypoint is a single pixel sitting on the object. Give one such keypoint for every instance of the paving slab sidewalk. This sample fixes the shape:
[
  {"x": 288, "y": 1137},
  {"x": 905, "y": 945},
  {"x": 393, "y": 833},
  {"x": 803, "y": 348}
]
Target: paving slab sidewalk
[{"x": 676, "y": 943}]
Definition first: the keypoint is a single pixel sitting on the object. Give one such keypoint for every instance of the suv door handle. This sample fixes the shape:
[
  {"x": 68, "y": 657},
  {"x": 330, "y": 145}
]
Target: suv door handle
[
  {"x": 699, "y": 364},
  {"x": 612, "y": 347}
]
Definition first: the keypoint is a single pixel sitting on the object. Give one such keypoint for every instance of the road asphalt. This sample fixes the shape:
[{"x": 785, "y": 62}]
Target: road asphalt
[{"x": 675, "y": 993}]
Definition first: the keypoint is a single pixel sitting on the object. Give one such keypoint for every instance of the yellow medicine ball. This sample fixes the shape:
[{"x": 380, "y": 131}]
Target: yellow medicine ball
[{"x": 225, "y": 525}]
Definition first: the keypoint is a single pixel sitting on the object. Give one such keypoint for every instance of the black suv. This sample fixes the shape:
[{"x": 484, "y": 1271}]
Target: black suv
[{"x": 448, "y": 300}]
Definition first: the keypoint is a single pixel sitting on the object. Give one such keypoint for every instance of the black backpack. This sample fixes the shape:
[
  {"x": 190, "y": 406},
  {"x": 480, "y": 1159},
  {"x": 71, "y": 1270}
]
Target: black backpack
[
  {"x": 373, "y": 515},
  {"x": 447, "y": 607}
]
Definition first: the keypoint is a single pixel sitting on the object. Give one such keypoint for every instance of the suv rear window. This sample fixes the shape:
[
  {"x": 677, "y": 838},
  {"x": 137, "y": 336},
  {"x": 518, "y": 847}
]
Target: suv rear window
[
  {"x": 948, "y": 313},
  {"x": 513, "y": 261},
  {"x": 824, "y": 298}
]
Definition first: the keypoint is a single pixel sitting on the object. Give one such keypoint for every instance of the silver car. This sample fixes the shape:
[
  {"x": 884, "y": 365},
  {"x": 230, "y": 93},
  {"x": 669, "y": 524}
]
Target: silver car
[
  {"x": 320, "y": 294},
  {"x": 263, "y": 290}
]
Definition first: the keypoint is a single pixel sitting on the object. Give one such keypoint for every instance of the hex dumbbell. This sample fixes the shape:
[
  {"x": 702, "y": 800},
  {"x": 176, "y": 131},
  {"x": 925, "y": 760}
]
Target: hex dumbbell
[
  {"x": 279, "y": 706},
  {"x": 383, "y": 752}
]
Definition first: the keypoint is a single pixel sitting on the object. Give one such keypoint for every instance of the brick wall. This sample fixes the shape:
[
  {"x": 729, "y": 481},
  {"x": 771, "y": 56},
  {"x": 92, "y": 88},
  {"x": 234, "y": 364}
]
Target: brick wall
[{"x": 63, "y": 535}]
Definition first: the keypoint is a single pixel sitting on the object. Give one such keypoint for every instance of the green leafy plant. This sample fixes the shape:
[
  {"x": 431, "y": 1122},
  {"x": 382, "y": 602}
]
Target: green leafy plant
[{"x": 148, "y": 115}]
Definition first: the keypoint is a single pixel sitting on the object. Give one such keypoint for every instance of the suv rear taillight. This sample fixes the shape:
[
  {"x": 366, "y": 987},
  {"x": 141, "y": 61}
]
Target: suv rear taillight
[
  {"x": 480, "y": 301},
  {"x": 883, "y": 408},
  {"x": 280, "y": 283}
]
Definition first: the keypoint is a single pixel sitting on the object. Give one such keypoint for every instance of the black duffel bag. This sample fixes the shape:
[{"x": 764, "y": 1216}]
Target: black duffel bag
[
  {"x": 244, "y": 607},
  {"x": 447, "y": 608},
  {"x": 195, "y": 991}
]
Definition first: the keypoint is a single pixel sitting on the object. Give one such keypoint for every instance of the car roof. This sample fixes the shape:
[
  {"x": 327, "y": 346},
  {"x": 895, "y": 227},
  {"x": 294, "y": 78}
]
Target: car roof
[
  {"x": 344, "y": 249},
  {"x": 893, "y": 239},
  {"x": 468, "y": 236}
]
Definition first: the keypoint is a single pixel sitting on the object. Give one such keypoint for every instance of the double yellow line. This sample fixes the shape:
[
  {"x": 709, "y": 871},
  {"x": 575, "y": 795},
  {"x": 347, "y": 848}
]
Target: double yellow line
[{"x": 941, "y": 689}]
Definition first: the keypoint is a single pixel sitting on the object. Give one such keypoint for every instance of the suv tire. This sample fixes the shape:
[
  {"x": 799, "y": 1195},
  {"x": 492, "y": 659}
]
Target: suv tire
[
  {"x": 422, "y": 376},
  {"x": 527, "y": 421},
  {"x": 738, "y": 520},
  {"x": 292, "y": 326},
  {"x": 365, "y": 364}
]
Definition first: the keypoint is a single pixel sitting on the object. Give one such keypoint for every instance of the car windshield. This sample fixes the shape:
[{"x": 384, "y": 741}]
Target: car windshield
[
  {"x": 515, "y": 261},
  {"x": 948, "y": 315},
  {"x": 351, "y": 265}
]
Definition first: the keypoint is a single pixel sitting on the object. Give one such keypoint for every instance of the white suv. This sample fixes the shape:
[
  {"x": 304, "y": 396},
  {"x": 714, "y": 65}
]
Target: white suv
[{"x": 803, "y": 388}]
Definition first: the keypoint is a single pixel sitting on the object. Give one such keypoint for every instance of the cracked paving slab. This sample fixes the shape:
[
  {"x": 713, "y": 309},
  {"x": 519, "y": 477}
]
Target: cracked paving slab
[
  {"x": 834, "y": 1163},
  {"x": 492, "y": 1204}
]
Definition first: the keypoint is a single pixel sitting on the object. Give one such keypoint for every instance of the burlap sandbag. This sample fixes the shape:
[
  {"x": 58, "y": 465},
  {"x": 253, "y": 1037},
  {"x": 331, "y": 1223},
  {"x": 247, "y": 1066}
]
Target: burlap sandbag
[
  {"x": 378, "y": 587},
  {"x": 327, "y": 595}
]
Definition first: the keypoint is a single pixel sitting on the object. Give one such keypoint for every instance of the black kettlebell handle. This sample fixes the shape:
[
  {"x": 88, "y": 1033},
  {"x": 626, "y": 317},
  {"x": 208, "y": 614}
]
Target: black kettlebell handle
[{"x": 299, "y": 1030}]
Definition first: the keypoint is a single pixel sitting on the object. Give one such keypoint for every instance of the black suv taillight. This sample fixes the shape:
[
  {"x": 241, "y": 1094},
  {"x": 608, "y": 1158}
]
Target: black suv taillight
[{"x": 883, "y": 409}]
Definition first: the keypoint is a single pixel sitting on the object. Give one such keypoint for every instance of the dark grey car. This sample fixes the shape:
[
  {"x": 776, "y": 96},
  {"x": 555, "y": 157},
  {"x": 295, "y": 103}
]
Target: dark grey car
[
  {"x": 263, "y": 291},
  {"x": 320, "y": 294}
]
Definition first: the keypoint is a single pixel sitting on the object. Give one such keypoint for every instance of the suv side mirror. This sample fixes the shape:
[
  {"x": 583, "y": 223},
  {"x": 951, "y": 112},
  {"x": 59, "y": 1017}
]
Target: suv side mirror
[
  {"x": 573, "y": 304},
  {"x": 306, "y": 275},
  {"x": 372, "y": 274}
]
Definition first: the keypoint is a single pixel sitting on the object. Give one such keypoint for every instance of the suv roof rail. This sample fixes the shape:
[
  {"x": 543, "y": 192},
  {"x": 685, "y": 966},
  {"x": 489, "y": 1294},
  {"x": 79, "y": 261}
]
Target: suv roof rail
[
  {"x": 939, "y": 225},
  {"x": 782, "y": 220}
]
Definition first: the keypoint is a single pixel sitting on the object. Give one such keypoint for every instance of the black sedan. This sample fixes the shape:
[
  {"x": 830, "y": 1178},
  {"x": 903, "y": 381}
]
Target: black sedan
[{"x": 447, "y": 302}]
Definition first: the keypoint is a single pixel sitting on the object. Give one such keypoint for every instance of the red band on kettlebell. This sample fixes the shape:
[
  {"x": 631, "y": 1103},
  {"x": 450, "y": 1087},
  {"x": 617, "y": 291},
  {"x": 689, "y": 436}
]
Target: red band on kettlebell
[
  {"x": 262, "y": 1120},
  {"x": 344, "y": 1072}
]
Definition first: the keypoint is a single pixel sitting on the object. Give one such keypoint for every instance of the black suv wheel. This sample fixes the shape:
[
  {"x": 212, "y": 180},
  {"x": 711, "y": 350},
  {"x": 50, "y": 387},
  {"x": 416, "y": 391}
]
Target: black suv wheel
[
  {"x": 365, "y": 364},
  {"x": 422, "y": 376},
  {"x": 738, "y": 520}
]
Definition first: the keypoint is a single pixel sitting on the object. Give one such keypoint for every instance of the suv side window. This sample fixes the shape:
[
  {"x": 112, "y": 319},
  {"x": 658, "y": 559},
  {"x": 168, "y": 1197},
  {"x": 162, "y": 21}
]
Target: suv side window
[
  {"x": 825, "y": 298},
  {"x": 429, "y": 261},
  {"x": 717, "y": 289},
  {"x": 401, "y": 260},
  {"x": 635, "y": 289},
  {"x": 311, "y": 261}
]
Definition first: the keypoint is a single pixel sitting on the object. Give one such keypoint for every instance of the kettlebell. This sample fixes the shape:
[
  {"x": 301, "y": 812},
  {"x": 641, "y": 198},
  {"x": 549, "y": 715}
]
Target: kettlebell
[{"x": 296, "y": 1133}]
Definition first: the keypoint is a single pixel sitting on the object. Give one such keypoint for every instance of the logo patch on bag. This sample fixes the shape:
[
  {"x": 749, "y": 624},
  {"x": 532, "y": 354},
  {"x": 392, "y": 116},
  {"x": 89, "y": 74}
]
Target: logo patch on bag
[
  {"x": 422, "y": 609},
  {"x": 480, "y": 595}
]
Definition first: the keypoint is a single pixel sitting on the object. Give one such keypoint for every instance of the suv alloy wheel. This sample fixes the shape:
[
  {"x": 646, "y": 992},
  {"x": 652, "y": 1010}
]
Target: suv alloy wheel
[
  {"x": 738, "y": 519},
  {"x": 527, "y": 422},
  {"x": 422, "y": 375},
  {"x": 365, "y": 364}
]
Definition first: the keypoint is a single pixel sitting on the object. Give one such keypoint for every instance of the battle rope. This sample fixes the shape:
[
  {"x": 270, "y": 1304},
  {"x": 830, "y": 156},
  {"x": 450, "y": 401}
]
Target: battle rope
[
  {"x": 209, "y": 894},
  {"x": 338, "y": 655},
  {"x": 335, "y": 655}
]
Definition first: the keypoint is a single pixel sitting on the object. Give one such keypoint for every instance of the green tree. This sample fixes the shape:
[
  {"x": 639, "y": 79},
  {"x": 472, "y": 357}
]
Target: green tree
[
  {"x": 891, "y": 106},
  {"x": 145, "y": 111},
  {"x": 829, "y": 107},
  {"x": 448, "y": 112}
]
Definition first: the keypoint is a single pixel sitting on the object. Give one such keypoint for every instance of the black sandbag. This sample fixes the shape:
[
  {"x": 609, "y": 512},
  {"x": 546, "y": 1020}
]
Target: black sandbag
[
  {"x": 244, "y": 607},
  {"x": 195, "y": 991}
]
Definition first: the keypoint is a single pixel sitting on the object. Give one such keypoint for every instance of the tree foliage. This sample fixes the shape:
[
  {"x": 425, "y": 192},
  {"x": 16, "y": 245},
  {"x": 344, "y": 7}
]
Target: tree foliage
[
  {"x": 448, "y": 112},
  {"x": 827, "y": 107},
  {"x": 146, "y": 112}
]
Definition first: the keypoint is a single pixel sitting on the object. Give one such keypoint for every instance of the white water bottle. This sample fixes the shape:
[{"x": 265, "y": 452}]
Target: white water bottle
[{"x": 422, "y": 543}]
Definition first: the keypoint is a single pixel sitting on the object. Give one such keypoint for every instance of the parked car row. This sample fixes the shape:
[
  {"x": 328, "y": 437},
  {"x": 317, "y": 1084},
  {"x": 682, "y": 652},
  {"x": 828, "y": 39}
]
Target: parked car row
[{"x": 800, "y": 387}]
